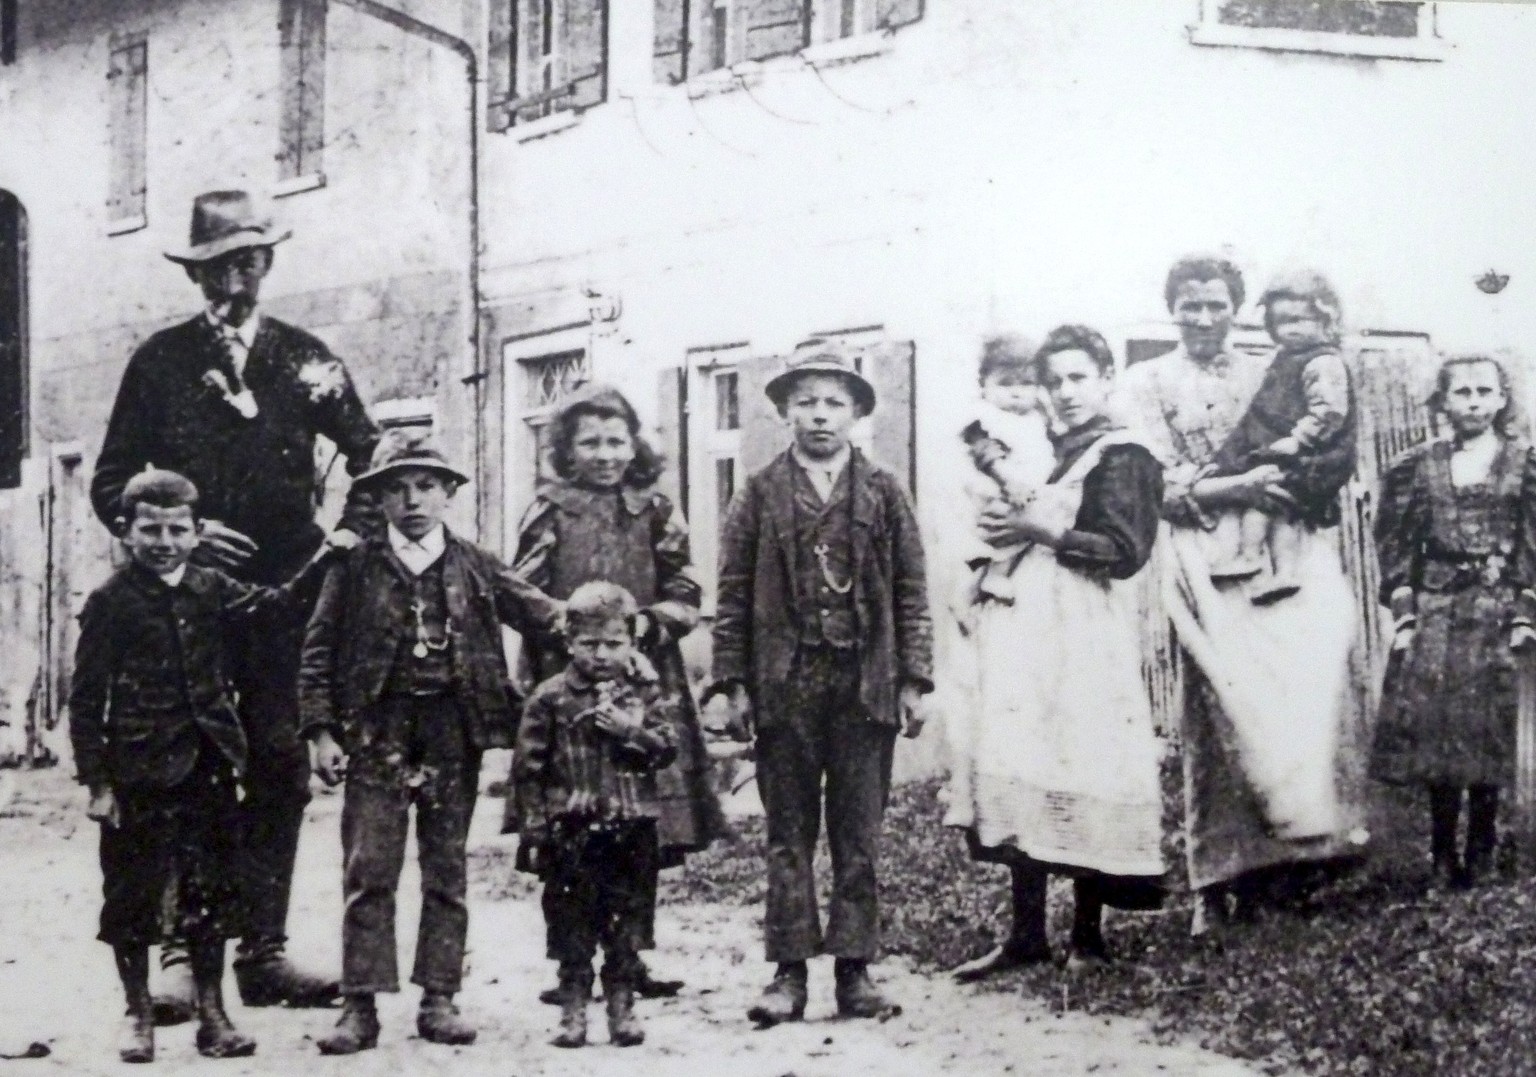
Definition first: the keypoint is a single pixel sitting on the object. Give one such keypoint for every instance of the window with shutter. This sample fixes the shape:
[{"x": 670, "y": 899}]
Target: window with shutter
[
  {"x": 719, "y": 33},
  {"x": 669, "y": 46},
  {"x": 127, "y": 89},
  {"x": 302, "y": 25},
  {"x": 558, "y": 52}
]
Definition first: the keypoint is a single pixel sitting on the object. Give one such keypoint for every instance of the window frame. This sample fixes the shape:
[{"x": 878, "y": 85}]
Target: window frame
[
  {"x": 709, "y": 446},
  {"x": 303, "y": 40},
  {"x": 508, "y": 96},
  {"x": 836, "y": 31},
  {"x": 522, "y": 419},
  {"x": 1427, "y": 47}
]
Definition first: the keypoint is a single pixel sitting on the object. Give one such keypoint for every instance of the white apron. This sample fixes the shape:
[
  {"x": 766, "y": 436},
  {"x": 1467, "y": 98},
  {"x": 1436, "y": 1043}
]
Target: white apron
[{"x": 1060, "y": 758}]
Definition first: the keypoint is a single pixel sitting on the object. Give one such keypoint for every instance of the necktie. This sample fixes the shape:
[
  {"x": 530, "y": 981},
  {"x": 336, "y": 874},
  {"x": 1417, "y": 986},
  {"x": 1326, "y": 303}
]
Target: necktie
[{"x": 234, "y": 350}]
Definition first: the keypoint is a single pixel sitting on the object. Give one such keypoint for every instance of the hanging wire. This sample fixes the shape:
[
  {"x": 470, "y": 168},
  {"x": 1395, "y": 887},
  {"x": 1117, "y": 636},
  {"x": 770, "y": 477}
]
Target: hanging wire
[
  {"x": 699, "y": 119},
  {"x": 634, "y": 116},
  {"x": 747, "y": 89},
  {"x": 839, "y": 97}
]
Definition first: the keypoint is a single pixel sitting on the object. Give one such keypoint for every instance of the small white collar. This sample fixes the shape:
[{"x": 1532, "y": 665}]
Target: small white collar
[
  {"x": 832, "y": 466},
  {"x": 174, "y": 578},
  {"x": 245, "y": 333},
  {"x": 418, "y": 556}
]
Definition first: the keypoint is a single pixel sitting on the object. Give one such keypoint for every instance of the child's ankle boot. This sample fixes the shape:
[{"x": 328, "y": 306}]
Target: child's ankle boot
[
  {"x": 575, "y": 990},
  {"x": 438, "y": 1020},
  {"x": 136, "y": 1042},
  {"x": 215, "y": 1034},
  {"x": 356, "y": 1030},
  {"x": 623, "y": 1028}
]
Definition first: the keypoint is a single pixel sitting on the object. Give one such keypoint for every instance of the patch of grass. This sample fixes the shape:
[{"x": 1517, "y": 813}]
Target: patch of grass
[{"x": 1368, "y": 976}]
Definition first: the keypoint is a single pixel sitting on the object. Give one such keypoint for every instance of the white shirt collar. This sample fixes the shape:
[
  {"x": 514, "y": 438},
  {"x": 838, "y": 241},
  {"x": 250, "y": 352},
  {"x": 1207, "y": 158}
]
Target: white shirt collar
[
  {"x": 173, "y": 579},
  {"x": 823, "y": 473},
  {"x": 244, "y": 333},
  {"x": 418, "y": 556}
]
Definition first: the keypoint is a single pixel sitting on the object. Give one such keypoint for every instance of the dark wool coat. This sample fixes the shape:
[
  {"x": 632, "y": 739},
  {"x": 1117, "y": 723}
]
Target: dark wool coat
[
  {"x": 635, "y": 538},
  {"x": 758, "y": 611},
  {"x": 363, "y": 619},
  {"x": 255, "y": 475},
  {"x": 152, "y": 681}
]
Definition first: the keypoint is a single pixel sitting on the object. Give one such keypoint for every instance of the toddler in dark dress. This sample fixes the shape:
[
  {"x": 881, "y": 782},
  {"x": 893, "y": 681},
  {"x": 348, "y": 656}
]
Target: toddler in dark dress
[{"x": 1302, "y": 418}]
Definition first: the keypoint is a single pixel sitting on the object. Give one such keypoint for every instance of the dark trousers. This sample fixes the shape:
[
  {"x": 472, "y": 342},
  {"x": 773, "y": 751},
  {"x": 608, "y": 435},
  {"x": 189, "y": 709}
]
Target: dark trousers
[
  {"x": 1482, "y": 831},
  {"x": 817, "y": 732},
  {"x": 600, "y": 890},
  {"x": 166, "y": 868},
  {"x": 417, "y": 753},
  {"x": 277, "y": 773}
]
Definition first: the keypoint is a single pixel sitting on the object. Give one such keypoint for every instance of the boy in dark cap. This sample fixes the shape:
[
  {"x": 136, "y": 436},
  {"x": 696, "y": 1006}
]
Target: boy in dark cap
[
  {"x": 823, "y": 642},
  {"x": 585, "y": 784},
  {"x": 402, "y": 686},
  {"x": 159, "y": 744}
]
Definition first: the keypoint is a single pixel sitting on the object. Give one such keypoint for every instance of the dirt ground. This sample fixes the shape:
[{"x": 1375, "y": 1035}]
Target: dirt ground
[{"x": 57, "y": 988}]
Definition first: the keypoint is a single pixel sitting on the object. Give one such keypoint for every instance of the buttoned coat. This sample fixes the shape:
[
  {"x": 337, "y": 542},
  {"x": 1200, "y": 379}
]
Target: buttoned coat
[
  {"x": 758, "y": 609},
  {"x": 362, "y": 620},
  {"x": 256, "y": 475},
  {"x": 152, "y": 674}
]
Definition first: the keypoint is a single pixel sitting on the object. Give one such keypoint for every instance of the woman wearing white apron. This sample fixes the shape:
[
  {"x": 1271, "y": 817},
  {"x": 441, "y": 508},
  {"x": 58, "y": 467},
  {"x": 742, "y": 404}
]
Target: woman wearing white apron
[{"x": 1057, "y": 771}]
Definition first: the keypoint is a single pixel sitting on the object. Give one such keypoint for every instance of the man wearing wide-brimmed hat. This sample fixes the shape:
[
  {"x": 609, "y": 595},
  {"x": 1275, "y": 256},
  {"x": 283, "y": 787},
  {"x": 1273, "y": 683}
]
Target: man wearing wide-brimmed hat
[{"x": 233, "y": 399}]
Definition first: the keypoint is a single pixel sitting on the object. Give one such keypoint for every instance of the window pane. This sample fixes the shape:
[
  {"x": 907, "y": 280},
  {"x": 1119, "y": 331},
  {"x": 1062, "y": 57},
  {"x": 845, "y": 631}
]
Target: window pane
[
  {"x": 725, "y": 487},
  {"x": 727, "y": 406},
  {"x": 1367, "y": 17},
  {"x": 551, "y": 378}
]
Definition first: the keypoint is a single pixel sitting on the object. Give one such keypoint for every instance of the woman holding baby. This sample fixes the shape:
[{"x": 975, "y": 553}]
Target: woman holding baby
[{"x": 1057, "y": 769}]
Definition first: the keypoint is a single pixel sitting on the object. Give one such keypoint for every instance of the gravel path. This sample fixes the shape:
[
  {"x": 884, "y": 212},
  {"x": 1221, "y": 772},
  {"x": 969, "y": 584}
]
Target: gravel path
[{"x": 57, "y": 988}]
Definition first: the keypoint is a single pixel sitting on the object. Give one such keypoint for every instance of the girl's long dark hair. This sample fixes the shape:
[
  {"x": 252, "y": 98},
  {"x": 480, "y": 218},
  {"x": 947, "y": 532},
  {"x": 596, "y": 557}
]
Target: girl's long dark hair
[{"x": 603, "y": 402}]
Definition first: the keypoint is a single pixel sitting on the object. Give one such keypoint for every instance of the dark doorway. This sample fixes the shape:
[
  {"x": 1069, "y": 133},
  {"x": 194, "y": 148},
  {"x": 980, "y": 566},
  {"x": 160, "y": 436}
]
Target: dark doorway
[{"x": 13, "y": 339}]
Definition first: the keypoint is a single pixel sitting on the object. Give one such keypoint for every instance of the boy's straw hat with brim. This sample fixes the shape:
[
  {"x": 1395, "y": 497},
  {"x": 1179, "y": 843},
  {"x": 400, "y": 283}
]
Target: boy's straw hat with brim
[
  {"x": 225, "y": 221},
  {"x": 405, "y": 447},
  {"x": 821, "y": 356}
]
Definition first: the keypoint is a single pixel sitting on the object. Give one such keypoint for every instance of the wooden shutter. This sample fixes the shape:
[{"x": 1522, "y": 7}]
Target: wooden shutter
[
  {"x": 7, "y": 31},
  {"x": 532, "y": 75},
  {"x": 500, "y": 41},
  {"x": 772, "y": 27},
  {"x": 127, "y": 75},
  {"x": 13, "y": 339},
  {"x": 890, "y": 14},
  {"x": 708, "y": 36},
  {"x": 669, "y": 42},
  {"x": 889, "y": 365},
  {"x": 672, "y": 432},
  {"x": 584, "y": 46},
  {"x": 302, "y": 32}
]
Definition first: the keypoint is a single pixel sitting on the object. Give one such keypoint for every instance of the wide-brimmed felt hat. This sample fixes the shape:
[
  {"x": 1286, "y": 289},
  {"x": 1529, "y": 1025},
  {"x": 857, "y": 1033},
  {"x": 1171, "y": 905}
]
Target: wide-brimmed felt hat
[
  {"x": 821, "y": 356},
  {"x": 405, "y": 447},
  {"x": 224, "y": 221}
]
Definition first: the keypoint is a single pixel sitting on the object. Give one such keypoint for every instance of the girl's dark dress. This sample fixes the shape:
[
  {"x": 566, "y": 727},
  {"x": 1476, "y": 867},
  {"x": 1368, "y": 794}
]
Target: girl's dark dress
[
  {"x": 1465, "y": 553},
  {"x": 573, "y": 535}
]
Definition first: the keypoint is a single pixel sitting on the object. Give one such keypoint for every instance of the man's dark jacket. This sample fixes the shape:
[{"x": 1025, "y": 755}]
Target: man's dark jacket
[
  {"x": 362, "y": 622},
  {"x": 255, "y": 475},
  {"x": 757, "y": 626},
  {"x": 152, "y": 680}
]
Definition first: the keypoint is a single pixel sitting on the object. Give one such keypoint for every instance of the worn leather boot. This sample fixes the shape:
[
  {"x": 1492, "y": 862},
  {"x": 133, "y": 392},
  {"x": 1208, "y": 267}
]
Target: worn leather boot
[
  {"x": 175, "y": 1002},
  {"x": 136, "y": 1039},
  {"x": 575, "y": 992},
  {"x": 356, "y": 1030},
  {"x": 784, "y": 997},
  {"x": 272, "y": 980},
  {"x": 217, "y": 1036},
  {"x": 623, "y": 1028},
  {"x": 857, "y": 995},
  {"x": 438, "y": 1021},
  {"x": 648, "y": 986}
]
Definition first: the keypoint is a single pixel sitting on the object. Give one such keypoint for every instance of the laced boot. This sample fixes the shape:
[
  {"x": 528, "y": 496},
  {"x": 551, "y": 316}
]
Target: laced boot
[
  {"x": 356, "y": 1030},
  {"x": 784, "y": 997},
  {"x": 619, "y": 997},
  {"x": 270, "y": 979},
  {"x": 857, "y": 995},
  {"x": 575, "y": 991},
  {"x": 176, "y": 1001},
  {"x": 217, "y": 1036},
  {"x": 136, "y": 1040},
  {"x": 438, "y": 1020}
]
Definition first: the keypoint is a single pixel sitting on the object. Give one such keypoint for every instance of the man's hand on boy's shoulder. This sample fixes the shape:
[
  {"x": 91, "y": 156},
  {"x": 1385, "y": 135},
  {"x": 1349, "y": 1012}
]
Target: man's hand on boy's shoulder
[
  {"x": 103, "y": 807},
  {"x": 221, "y": 546}
]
